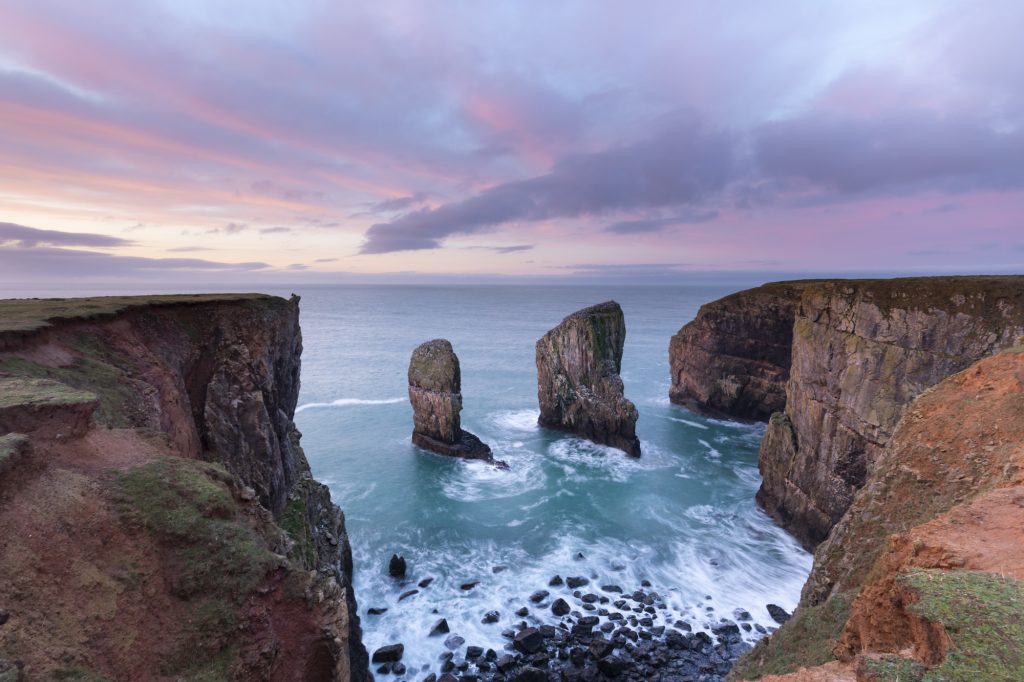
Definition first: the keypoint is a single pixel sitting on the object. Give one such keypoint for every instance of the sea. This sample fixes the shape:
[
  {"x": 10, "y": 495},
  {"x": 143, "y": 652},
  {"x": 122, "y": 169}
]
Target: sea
[{"x": 681, "y": 517}]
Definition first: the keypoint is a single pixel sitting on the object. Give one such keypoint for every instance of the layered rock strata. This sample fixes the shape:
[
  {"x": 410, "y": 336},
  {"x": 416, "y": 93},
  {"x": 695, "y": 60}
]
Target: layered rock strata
[
  {"x": 733, "y": 359},
  {"x": 435, "y": 391},
  {"x": 578, "y": 382},
  {"x": 178, "y": 493},
  {"x": 862, "y": 351},
  {"x": 922, "y": 576}
]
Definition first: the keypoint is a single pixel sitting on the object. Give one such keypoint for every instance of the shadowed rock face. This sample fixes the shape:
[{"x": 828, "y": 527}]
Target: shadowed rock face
[
  {"x": 733, "y": 359},
  {"x": 578, "y": 382},
  {"x": 435, "y": 391}
]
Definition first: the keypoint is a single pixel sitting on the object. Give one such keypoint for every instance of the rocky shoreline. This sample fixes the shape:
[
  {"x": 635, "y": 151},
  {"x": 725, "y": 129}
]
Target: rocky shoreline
[{"x": 576, "y": 629}]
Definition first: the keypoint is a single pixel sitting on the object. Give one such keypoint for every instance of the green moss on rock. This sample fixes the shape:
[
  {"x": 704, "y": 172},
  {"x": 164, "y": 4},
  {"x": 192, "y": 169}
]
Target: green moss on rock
[{"x": 807, "y": 639}]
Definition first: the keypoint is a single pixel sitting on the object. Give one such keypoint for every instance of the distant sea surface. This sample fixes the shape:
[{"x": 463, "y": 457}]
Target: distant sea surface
[{"x": 682, "y": 516}]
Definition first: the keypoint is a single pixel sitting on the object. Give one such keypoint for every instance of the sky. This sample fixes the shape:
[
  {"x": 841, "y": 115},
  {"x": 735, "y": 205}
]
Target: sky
[{"x": 648, "y": 140}]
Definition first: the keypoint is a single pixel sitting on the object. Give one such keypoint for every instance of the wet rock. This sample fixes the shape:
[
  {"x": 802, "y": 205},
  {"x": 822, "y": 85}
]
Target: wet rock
[
  {"x": 491, "y": 617},
  {"x": 523, "y": 612},
  {"x": 498, "y": 569},
  {"x": 528, "y": 641},
  {"x": 372, "y": 611},
  {"x": 611, "y": 588},
  {"x": 741, "y": 615},
  {"x": 425, "y": 582},
  {"x": 578, "y": 382},
  {"x": 530, "y": 674},
  {"x": 576, "y": 581},
  {"x": 778, "y": 614},
  {"x": 474, "y": 652},
  {"x": 612, "y": 666},
  {"x": 396, "y": 567},
  {"x": 439, "y": 628},
  {"x": 435, "y": 391},
  {"x": 388, "y": 654},
  {"x": 560, "y": 607},
  {"x": 453, "y": 642},
  {"x": 506, "y": 663},
  {"x": 539, "y": 596},
  {"x": 448, "y": 677},
  {"x": 470, "y": 585},
  {"x": 407, "y": 594},
  {"x": 555, "y": 582},
  {"x": 398, "y": 668}
]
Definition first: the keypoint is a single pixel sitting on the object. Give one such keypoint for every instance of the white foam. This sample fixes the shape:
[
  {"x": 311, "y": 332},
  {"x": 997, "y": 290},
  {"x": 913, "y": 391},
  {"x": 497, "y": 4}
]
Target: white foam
[
  {"x": 516, "y": 420},
  {"x": 712, "y": 452},
  {"x": 472, "y": 481},
  {"x": 689, "y": 423},
  {"x": 583, "y": 459},
  {"x": 349, "y": 402}
]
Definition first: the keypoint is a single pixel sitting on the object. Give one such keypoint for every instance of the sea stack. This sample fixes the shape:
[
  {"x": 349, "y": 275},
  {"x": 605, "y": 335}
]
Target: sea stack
[
  {"x": 578, "y": 382},
  {"x": 435, "y": 391}
]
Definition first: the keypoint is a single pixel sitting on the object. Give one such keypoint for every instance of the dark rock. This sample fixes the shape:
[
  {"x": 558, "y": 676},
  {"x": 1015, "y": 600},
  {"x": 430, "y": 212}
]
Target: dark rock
[
  {"x": 523, "y": 612},
  {"x": 425, "y": 582},
  {"x": 388, "y": 654},
  {"x": 589, "y": 598},
  {"x": 407, "y": 594},
  {"x": 611, "y": 588},
  {"x": 506, "y": 663},
  {"x": 398, "y": 668},
  {"x": 645, "y": 583},
  {"x": 435, "y": 391},
  {"x": 432, "y": 677},
  {"x": 578, "y": 382},
  {"x": 439, "y": 628},
  {"x": 374, "y": 611},
  {"x": 741, "y": 615},
  {"x": 448, "y": 677},
  {"x": 396, "y": 567},
  {"x": 576, "y": 581},
  {"x": 560, "y": 607},
  {"x": 498, "y": 569},
  {"x": 778, "y": 614},
  {"x": 600, "y": 647},
  {"x": 491, "y": 617},
  {"x": 612, "y": 666},
  {"x": 453, "y": 642},
  {"x": 539, "y": 596},
  {"x": 528, "y": 641},
  {"x": 555, "y": 582},
  {"x": 474, "y": 652},
  {"x": 384, "y": 669},
  {"x": 470, "y": 585}
]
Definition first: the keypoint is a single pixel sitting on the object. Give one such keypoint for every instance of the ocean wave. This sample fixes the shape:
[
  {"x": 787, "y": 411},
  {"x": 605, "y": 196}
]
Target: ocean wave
[
  {"x": 348, "y": 402},
  {"x": 516, "y": 420},
  {"x": 581, "y": 458},
  {"x": 474, "y": 481}
]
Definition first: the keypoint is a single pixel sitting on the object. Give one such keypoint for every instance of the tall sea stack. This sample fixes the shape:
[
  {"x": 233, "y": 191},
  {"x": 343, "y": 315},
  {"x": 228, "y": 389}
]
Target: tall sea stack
[
  {"x": 435, "y": 391},
  {"x": 578, "y": 382}
]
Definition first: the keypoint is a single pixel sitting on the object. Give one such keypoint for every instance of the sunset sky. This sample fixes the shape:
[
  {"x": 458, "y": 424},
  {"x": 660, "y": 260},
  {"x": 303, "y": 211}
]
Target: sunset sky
[{"x": 347, "y": 141}]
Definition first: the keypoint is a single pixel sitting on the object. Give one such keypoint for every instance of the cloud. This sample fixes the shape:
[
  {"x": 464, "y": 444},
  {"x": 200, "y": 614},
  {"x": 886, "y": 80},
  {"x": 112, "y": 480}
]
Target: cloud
[
  {"x": 658, "y": 224},
  {"x": 20, "y": 236},
  {"x": 503, "y": 249},
  {"x": 682, "y": 164},
  {"x": 229, "y": 228},
  {"x": 33, "y": 263},
  {"x": 187, "y": 249},
  {"x": 900, "y": 152},
  {"x": 275, "y": 230},
  {"x": 325, "y": 260}
]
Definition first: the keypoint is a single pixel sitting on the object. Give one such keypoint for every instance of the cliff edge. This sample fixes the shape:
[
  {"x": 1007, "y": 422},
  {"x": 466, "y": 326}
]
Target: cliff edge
[
  {"x": 924, "y": 576},
  {"x": 158, "y": 515}
]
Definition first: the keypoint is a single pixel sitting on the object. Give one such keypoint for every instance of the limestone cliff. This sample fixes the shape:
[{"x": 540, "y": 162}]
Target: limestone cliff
[
  {"x": 862, "y": 351},
  {"x": 578, "y": 382},
  {"x": 733, "y": 359},
  {"x": 923, "y": 577},
  {"x": 185, "y": 504},
  {"x": 435, "y": 391}
]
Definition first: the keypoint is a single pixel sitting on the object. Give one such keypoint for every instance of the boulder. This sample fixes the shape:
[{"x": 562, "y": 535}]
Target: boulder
[
  {"x": 578, "y": 382},
  {"x": 435, "y": 391}
]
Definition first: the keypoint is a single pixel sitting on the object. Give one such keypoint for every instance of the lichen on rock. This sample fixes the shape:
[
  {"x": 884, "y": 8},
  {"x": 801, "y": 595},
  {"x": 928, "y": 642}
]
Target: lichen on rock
[
  {"x": 578, "y": 382},
  {"x": 435, "y": 391}
]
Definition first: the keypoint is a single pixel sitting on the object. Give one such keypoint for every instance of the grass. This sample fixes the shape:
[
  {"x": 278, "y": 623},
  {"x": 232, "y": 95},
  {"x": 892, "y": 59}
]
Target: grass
[
  {"x": 215, "y": 557},
  {"x": 295, "y": 522},
  {"x": 807, "y": 639},
  {"x": 983, "y": 615},
  {"x": 892, "y": 668},
  {"x": 33, "y": 314},
  {"x": 20, "y": 390}
]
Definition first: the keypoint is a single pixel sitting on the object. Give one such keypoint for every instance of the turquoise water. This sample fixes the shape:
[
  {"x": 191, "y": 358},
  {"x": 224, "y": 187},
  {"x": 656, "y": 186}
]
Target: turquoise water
[{"x": 682, "y": 516}]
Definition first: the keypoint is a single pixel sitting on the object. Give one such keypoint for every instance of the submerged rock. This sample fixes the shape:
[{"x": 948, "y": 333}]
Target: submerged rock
[
  {"x": 578, "y": 382},
  {"x": 435, "y": 391},
  {"x": 396, "y": 567}
]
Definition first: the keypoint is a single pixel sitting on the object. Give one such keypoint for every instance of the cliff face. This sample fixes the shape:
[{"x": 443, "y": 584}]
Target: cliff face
[
  {"x": 578, "y": 382},
  {"x": 862, "y": 351},
  {"x": 924, "y": 572},
  {"x": 183, "y": 379},
  {"x": 733, "y": 359}
]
